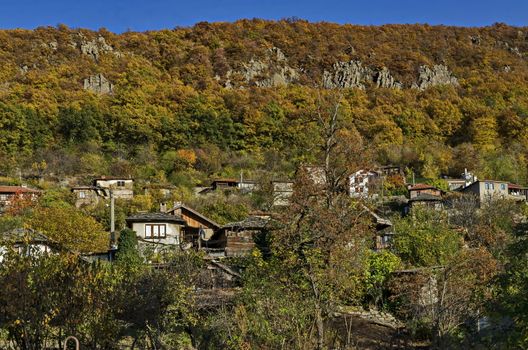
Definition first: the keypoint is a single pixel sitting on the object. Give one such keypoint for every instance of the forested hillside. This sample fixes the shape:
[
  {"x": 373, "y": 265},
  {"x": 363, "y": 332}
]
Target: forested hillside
[{"x": 220, "y": 97}]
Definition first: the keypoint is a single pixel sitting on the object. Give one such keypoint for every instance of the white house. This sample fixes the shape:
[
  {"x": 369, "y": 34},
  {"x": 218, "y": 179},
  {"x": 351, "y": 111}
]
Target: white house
[
  {"x": 121, "y": 187},
  {"x": 159, "y": 228},
  {"x": 360, "y": 182}
]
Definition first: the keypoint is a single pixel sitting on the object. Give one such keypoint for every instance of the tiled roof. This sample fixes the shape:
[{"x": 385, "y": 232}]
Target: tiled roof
[
  {"x": 515, "y": 187},
  {"x": 17, "y": 189},
  {"x": 155, "y": 217},
  {"x": 421, "y": 187}
]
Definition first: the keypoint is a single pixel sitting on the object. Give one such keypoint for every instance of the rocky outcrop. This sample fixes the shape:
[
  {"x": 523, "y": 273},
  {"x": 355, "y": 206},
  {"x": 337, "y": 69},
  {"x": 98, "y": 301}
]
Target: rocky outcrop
[
  {"x": 475, "y": 40},
  {"x": 99, "y": 84},
  {"x": 272, "y": 71},
  {"x": 438, "y": 75},
  {"x": 353, "y": 74},
  {"x": 93, "y": 48}
]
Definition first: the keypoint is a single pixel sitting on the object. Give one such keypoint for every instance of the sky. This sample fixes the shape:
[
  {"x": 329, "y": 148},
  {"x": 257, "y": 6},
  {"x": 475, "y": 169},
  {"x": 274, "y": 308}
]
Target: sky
[{"x": 140, "y": 15}]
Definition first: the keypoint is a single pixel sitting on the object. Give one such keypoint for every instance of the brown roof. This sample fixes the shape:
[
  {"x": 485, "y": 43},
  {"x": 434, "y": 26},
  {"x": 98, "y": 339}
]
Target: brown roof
[
  {"x": 205, "y": 218},
  {"x": 422, "y": 187},
  {"x": 17, "y": 189},
  {"x": 516, "y": 187}
]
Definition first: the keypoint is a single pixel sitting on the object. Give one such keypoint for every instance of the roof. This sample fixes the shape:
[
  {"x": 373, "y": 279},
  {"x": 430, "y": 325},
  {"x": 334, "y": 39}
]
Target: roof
[
  {"x": 182, "y": 206},
  {"x": 155, "y": 217},
  {"x": 17, "y": 189},
  {"x": 455, "y": 180},
  {"x": 378, "y": 220},
  {"x": 225, "y": 180},
  {"x": 103, "y": 177},
  {"x": 418, "y": 187},
  {"x": 23, "y": 234},
  {"x": 516, "y": 187},
  {"x": 425, "y": 197},
  {"x": 251, "y": 222},
  {"x": 74, "y": 188}
]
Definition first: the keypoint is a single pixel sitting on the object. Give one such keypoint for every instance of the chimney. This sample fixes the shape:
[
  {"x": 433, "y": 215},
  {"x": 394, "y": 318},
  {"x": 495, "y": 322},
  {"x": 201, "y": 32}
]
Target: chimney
[{"x": 163, "y": 207}]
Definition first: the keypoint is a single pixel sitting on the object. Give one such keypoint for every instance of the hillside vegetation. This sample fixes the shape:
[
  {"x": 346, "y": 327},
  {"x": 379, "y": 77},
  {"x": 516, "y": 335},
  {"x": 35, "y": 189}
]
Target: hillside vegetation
[{"x": 191, "y": 103}]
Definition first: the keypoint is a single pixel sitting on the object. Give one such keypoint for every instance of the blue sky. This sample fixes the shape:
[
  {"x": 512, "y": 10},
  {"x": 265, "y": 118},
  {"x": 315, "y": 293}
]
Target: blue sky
[{"x": 122, "y": 15}]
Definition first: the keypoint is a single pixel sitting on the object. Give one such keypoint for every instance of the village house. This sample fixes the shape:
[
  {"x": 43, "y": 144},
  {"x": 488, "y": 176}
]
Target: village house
[
  {"x": 238, "y": 238},
  {"x": 384, "y": 230},
  {"x": 121, "y": 187},
  {"x": 159, "y": 228},
  {"x": 198, "y": 228},
  {"x": 418, "y": 190},
  {"x": 27, "y": 242},
  {"x": 361, "y": 183},
  {"x": 465, "y": 179},
  {"x": 517, "y": 192},
  {"x": 88, "y": 195},
  {"x": 455, "y": 184},
  {"x": 423, "y": 195},
  {"x": 242, "y": 185},
  {"x": 10, "y": 194},
  {"x": 486, "y": 190},
  {"x": 282, "y": 192}
]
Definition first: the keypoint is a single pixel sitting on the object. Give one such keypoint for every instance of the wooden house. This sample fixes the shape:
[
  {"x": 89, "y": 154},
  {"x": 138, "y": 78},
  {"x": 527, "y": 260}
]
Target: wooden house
[
  {"x": 198, "y": 227},
  {"x": 238, "y": 238},
  {"x": 517, "y": 192}
]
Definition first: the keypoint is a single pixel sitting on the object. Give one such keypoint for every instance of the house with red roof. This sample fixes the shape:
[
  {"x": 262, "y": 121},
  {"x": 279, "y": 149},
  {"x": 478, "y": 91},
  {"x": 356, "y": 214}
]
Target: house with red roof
[{"x": 9, "y": 194}]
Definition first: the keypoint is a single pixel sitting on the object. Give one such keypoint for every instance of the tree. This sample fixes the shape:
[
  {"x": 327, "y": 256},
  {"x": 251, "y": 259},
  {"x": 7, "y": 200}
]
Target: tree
[
  {"x": 425, "y": 239},
  {"x": 70, "y": 228},
  {"x": 127, "y": 254}
]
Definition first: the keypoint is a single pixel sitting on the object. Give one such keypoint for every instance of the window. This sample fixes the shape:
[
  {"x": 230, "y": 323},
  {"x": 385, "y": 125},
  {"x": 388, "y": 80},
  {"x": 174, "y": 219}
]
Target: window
[
  {"x": 155, "y": 231},
  {"x": 120, "y": 183},
  {"x": 3, "y": 197},
  {"x": 503, "y": 187},
  {"x": 488, "y": 185},
  {"x": 82, "y": 194}
]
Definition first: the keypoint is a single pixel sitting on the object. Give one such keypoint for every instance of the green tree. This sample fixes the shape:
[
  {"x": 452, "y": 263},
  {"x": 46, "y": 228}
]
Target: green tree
[{"x": 424, "y": 238}]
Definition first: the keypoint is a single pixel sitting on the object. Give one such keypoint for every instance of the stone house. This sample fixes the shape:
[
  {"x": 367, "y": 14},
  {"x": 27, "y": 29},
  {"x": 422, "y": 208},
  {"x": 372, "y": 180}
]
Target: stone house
[
  {"x": 88, "y": 195},
  {"x": 486, "y": 190},
  {"x": 122, "y": 187},
  {"x": 421, "y": 189},
  {"x": 282, "y": 192},
  {"x": 10, "y": 194}
]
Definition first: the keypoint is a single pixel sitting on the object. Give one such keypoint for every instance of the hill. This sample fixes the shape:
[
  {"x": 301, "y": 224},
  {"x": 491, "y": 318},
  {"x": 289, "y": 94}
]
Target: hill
[{"x": 220, "y": 97}]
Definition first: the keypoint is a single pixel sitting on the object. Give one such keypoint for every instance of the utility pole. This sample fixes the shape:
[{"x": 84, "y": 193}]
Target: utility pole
[{"x": 112, "y": 218}]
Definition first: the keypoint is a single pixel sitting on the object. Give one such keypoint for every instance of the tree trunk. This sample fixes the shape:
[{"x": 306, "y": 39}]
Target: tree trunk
[{"x": 320, "y": 326}]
